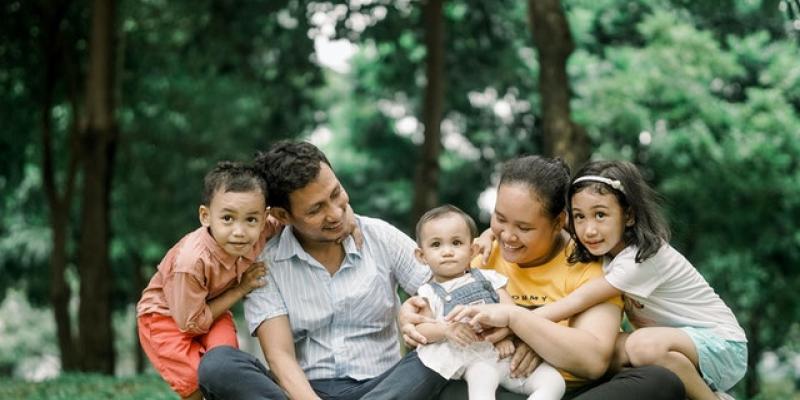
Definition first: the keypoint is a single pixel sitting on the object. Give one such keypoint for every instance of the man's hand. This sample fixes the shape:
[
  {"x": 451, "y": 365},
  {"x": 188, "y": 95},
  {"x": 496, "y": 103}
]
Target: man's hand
[
  {"x": 254, "y": 277},
  {"x": 410, "y": 316},
  {"x": 460, "y": 334}
]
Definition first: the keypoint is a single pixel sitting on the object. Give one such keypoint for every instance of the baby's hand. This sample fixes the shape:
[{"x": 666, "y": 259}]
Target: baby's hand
[
  {"x": 254, "y": 277},
  {"x": 505, "y": 347},
  {"x": 460, "y": 334}
]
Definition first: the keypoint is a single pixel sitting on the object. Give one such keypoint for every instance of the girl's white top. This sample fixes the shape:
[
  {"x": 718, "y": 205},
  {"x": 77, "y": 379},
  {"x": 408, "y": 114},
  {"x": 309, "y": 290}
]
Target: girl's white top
[
  {"x": 666, "y": 290},
  {"x": 449, "y": 359}
]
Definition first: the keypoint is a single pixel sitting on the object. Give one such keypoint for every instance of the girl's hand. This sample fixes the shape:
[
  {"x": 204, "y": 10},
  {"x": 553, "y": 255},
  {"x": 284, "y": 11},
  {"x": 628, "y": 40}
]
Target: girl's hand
[
  {"x": 408, "y": 318},
  {"x": 482, "y": 246},
  {"x": 524, "y": 362},
  {"x": 254, "y": 277},
  {"x": 460, "y": 334},
  {"x": 482, "y": 315},
  {"x": 505, "y": 347}
]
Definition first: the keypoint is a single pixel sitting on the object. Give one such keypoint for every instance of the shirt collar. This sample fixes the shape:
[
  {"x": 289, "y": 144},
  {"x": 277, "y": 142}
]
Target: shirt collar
[
  {"x": 228, "y": 261},
  {"x": 289, "y": 246}
]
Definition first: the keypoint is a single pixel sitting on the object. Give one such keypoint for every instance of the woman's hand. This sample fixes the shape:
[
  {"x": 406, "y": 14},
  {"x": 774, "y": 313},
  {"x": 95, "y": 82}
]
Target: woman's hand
[
  {"x": 524, "y": 361},
  {"x": 482, "y": 315},
  {"x": 460, "y": 334},
  {"x": 408, "y": 318},
  {"x": 482, "y": 246}
]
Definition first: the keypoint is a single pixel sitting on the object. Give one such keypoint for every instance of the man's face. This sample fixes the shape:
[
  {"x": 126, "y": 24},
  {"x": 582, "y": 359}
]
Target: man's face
[{"x": 319, "y": 209}]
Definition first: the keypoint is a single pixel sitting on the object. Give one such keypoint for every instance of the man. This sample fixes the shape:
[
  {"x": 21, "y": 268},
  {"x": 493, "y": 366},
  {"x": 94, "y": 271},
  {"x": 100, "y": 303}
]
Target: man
[{"x": 326, "y": 317}]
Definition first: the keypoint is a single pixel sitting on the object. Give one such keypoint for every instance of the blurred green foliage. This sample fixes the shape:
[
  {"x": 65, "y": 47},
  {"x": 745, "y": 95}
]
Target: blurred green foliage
[
  {"x": 89, "y": 387},
  {"x": 703, "y": 96}
]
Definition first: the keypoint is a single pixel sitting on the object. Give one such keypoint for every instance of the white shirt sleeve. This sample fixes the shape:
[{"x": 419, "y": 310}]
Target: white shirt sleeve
[
  {"x": 640, "y": 279},
  {"x": 437, "y": 307}
]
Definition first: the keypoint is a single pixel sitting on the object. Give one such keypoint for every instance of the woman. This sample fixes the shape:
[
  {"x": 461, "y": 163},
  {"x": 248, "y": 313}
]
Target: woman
[{"x": 531, "y": 248}]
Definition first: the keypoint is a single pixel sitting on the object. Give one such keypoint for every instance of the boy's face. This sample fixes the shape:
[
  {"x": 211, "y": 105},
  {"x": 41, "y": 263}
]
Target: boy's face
[
  {"x": 446, "y": 246},
  {"x": 235, "y": 219}
]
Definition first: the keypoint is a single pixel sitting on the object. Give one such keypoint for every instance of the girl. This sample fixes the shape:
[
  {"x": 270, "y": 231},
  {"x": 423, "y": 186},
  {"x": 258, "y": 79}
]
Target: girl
[{"x": 682, "y": 324}]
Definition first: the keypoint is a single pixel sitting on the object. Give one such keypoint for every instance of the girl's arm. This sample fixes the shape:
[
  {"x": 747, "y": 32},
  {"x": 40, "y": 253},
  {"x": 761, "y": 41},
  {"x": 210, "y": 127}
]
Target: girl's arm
[
  {"x": 456, "y": 332},
  {"x": 433, "y": 331},
  {"x": 497, "y": 334},
  {"x": 587, "y": 295}
]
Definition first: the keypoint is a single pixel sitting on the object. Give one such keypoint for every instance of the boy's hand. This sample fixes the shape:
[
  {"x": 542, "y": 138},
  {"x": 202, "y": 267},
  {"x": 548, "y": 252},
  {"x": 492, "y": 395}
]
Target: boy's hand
[
  {"x": 505, "y": 347},
  {"x": 460, "y": 334},
  {"x": 254, "y": 277},
  {"x": 352, "y": 229}
]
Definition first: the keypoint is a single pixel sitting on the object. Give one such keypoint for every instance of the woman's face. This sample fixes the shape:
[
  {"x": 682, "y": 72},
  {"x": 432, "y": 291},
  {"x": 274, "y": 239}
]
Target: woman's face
[{"x": 525, "y": 233}]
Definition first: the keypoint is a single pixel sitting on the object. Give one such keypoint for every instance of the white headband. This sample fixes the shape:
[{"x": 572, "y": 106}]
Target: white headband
[{"x": 596, "y": 178}]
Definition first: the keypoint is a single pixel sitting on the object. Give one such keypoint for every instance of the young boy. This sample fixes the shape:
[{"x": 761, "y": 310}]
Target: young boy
[
  {"x": 183, "y": 311},
  {"x": 444, "y": 237}
]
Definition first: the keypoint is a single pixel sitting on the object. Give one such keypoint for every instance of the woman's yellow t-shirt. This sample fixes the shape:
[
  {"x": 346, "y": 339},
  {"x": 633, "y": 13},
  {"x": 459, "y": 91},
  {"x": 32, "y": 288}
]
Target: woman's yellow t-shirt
[{"x": 536, "y": 286}]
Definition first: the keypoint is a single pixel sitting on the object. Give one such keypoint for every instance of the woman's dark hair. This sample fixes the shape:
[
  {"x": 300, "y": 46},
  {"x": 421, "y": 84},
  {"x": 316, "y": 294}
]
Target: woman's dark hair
[
  {"x": 649, "y": 230},
  {"x": 548, "y": 178},
  {"x": 229, "y": 176},
  {"x": 288, "y": 166}
]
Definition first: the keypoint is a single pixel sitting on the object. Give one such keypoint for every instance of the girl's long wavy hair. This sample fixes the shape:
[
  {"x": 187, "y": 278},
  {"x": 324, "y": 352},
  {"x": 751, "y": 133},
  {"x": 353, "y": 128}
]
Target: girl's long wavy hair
[{"x": 649, "y": 230}]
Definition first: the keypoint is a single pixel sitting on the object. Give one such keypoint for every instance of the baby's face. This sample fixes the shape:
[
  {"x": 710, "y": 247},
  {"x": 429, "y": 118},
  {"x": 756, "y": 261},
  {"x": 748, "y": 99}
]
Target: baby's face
[
  {"x": 446, "y": 246},
  {"x": 235, "y": 219}
]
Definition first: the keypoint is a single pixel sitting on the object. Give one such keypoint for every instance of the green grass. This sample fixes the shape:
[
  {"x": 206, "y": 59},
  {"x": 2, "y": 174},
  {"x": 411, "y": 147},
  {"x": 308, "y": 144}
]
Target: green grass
[{"x": 88, "y": 387}]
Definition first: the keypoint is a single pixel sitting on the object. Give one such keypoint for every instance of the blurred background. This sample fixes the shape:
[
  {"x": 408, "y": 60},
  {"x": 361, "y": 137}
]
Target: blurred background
[{"x": 112, "y": 110}]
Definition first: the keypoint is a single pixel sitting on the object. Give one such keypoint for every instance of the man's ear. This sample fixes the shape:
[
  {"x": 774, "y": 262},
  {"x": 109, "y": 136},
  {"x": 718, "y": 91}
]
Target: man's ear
[
  {"x": 280, "y": 214},
  {"x": 204, "y": 214},
  {"x": 420, "y": 256}
]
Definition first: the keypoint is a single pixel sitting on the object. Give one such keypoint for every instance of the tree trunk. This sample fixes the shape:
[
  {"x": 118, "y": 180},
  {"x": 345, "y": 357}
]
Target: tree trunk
[
  {"x": 551, "y": 35},
  {"x": 139, "y": 282},
  {"x": 52, "y": 47},
  {"x": 98, "y": 142},
  {"x": 754, "y": 351},
  {"x": 426, "y": 179}
]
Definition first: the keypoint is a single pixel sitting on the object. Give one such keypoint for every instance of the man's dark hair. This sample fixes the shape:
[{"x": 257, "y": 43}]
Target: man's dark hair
[
  {"x": 441, "y": 211},
  {"x": 229, "y": 176},
  {"x": 288, "y": 166}
]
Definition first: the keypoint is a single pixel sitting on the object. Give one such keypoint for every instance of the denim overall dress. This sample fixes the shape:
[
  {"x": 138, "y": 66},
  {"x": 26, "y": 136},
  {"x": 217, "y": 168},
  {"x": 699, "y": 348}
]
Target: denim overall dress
[{"x": 480, "y": 291}]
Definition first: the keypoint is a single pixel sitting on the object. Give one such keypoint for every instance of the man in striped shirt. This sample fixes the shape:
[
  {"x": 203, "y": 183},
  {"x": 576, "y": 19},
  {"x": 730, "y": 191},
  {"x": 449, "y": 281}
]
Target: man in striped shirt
[{"x": 326, "y": 317}]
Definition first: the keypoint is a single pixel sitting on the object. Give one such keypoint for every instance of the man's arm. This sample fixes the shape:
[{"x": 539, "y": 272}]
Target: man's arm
[{"x": 277, "y": 343}]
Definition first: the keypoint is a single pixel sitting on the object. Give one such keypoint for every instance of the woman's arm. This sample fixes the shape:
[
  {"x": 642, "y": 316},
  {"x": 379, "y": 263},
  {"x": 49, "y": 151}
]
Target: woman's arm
[
  {"x": 593, "y": 292},
  {"x": 584, "y": 348}
]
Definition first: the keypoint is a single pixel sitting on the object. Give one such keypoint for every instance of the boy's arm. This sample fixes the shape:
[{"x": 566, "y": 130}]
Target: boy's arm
[
  {"x": 251, "y": 279},
  {"x": 587, "y": 295},
  {"x": 277, "y": 343}
]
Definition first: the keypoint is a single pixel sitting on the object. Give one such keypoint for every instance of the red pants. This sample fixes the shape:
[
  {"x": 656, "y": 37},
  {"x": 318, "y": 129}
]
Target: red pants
[{"x": 175, "y": 354}]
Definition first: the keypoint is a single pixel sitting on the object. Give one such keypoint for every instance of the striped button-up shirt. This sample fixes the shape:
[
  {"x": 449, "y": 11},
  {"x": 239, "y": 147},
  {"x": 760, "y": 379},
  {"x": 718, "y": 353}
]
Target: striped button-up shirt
[{"x": 343, "y": 324}]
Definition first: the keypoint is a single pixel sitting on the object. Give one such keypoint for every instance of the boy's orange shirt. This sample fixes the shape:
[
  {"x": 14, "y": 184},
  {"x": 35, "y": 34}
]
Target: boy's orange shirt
[{"x": 193, "y": 272}]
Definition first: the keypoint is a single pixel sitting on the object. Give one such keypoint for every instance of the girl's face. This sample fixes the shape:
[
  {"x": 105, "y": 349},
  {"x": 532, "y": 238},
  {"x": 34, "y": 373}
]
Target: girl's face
[
  {"x": 446, "y": 246},
  {"x": 599, "y": 222},
  {"x": 525, "y": 233}
]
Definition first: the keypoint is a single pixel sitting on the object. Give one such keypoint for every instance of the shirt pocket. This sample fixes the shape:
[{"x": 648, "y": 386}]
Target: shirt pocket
[{"x": 369, "y": 299}]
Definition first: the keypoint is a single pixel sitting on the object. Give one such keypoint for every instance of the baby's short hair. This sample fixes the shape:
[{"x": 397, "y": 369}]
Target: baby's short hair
[
  {"x": 231, "y": 176},
  {"x": 441, "y": 211}
]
